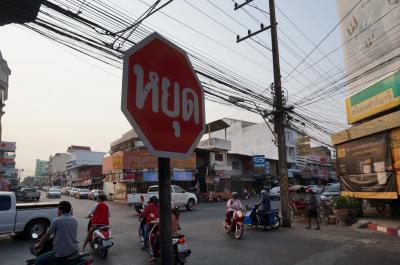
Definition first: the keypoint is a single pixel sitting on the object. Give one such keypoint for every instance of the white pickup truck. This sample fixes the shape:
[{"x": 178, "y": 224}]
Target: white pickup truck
[
  {"x": 24, "y": 218},
  {"x": 180, "y": 197}
]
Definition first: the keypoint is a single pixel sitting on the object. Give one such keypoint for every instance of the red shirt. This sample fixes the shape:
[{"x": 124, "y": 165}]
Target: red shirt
[
  {"x": 150, "y": 212},
  {"x": 101, "y": 214}
]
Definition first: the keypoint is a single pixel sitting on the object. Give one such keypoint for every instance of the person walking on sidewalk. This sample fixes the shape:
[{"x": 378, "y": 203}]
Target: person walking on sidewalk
[{"x": 312, "y": 210}]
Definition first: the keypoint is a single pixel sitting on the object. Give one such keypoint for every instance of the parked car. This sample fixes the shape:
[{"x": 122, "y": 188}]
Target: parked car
[
  {"x": 25, "y": 218},
  {"x": 94, "y": 194},
  {"x": 28, "y": 194},
  {"x": 314, "y": 188},
  {"x": 73, "y": 191},
  {"x": 82, "y": 194},
  {"x": 54, "y": 193},
  {"x": 331, "y": 191},
  {"x": 178, "y": 195},
  {"x": 275, "y": 193}
]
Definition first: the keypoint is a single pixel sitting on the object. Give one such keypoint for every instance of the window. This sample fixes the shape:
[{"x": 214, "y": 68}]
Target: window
[
  {"x": 153, "y": 189},
  {"x": 235, "y": 165},
  {"x": 219, "y": 157},
  {"x": 5, "y": 203},
  {"x": 178, "y": 189}
]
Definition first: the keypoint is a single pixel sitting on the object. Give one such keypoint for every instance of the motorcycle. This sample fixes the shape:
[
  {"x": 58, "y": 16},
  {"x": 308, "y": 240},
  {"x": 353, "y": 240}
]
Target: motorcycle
[
  {"x": 83, "y": 258},
  {"x": 179, "y": 247},
  {"x": 100, "y": 240},
  {"x": 236, "y": 226},
  {"x": 269, "y": 219}
]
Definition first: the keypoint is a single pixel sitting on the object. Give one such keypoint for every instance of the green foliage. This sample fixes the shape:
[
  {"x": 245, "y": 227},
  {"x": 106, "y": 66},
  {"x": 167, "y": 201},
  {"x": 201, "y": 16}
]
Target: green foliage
[{"x": 340, "y": 202}]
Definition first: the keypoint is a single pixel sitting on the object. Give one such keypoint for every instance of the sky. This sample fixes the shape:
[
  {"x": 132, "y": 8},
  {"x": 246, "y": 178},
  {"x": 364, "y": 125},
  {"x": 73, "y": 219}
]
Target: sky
[{"x": 58, "y": 97}]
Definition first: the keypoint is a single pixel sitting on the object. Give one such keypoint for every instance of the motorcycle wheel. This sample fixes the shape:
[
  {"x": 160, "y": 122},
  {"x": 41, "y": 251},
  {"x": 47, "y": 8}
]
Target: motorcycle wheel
[
  {"x": 277, "y": 223},
  {"x": 104, "y": 253},
  {"x": 238, "y": 231}
]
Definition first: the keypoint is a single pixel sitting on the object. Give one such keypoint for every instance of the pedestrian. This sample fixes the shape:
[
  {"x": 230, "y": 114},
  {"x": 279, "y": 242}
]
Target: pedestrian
[{"x": 312, "y": 210}]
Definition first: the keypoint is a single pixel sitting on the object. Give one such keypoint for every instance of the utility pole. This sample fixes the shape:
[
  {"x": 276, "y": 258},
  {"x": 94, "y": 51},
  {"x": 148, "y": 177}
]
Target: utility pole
[
  {"x": 279, "y": 109},
  {"x": 279, "y": 119}
]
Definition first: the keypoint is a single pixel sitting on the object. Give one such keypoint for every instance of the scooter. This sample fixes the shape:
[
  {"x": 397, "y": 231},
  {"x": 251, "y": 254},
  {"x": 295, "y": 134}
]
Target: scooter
[
  {"x": 236, "y": 226},
  {"x": 101, "y": 240},
  {"x": 179, "y": 247},
  {"x": 266, "y": 220},
  {"x": 83, "y": 258}
]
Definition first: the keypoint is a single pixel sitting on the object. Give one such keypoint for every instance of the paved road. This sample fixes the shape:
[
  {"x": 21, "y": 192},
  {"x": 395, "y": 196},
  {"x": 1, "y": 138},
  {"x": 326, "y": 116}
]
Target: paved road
[{"x": 210, "y": 245}]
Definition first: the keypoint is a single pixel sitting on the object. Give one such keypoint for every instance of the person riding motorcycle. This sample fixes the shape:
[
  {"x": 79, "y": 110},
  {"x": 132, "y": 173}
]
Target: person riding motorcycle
[
  {"x": 265, "y": 203},
  {"x": 233, "y": 205},
  {"x": 64, "y": 230},
  {"x": 150, "y": 212},
  {"x": 100, "y": 215}
]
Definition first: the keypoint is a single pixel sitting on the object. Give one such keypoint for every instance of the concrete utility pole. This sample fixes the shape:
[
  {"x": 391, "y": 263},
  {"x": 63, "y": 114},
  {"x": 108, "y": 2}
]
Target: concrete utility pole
[
  {"x": 279, "y": 109},
  {"x": 279, "y": 119}
]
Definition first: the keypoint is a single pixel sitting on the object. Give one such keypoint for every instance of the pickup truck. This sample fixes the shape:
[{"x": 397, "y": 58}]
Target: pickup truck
[
  {"x": 180, "y": 197},
  {"x": 24, "y": 218},
  {"x": 28, "y": 194}
]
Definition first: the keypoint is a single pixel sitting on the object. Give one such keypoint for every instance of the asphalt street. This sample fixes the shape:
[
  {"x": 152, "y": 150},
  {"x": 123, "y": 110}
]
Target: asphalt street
[{"x": 210, "y": 245}]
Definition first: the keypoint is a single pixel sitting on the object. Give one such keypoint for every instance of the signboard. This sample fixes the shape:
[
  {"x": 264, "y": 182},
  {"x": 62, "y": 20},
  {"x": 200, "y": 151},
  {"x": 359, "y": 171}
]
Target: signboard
[
  {"x": 365, "y": 167},
  {"x": 369, "y": 39},
  {"x": 182, "y": 176},
  {"x": 377, "y": 98},
  {"x": 142, "y": 159},
  {"x": 7, "y": 146},
  {"x": 162, "y": 97},
  {"x": 258, "y": 164}
]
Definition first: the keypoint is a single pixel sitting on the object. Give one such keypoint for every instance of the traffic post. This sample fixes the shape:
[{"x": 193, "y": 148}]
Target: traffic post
[{"x": 164, "y": 102}]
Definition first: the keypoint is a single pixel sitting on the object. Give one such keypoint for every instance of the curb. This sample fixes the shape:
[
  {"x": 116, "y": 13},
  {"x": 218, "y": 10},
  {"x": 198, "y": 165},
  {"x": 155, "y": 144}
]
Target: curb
[{"x": 387, "y": 230}]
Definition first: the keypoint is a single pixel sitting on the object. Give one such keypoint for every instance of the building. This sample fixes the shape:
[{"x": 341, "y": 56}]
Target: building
[
  {"x": 8, "y": 173},
  {"x": 82, "y": 168},
  {"x": 5, "y": 72},
  {"x": 57, "y": 168},
  {"x": 41, "y": 169}
]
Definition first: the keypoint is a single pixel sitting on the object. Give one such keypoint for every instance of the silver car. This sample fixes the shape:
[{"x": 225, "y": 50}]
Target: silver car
[{"x": 275, "y": 193}]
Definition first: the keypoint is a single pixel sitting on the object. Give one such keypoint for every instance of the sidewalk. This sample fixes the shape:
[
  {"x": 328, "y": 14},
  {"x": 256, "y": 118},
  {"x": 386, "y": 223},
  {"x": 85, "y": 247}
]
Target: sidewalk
[{"x": 389, "y": 226}]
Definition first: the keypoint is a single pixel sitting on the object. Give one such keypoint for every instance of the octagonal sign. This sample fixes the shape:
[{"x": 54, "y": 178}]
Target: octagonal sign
[{"x": 162, "y": 97}]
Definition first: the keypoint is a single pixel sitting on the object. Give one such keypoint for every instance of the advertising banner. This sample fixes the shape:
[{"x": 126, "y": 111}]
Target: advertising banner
[
  {"x": 377, "y": 98},
  {"x": 182, "y": 176},
  {"x": 258, "y": 164},
  {"x": 150, "y": 176},
  {"x": 8, "y": 146},
  {"x": 365, "y": 167},
  {"x": 142, "y": 159}
]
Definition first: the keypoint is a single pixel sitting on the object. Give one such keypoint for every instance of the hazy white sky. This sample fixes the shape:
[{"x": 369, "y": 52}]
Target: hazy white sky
[{"x": 58, "y": 97}]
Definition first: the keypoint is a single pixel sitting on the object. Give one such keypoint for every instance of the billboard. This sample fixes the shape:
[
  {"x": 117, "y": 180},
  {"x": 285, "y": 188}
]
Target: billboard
[
  {"x": 365, "y": 167},
  {"x": 8, "y": 146},
  {"x": 377, "y": 98},
  {"x": 370, "y": 38},
  {"x": 259, "y": 164}
]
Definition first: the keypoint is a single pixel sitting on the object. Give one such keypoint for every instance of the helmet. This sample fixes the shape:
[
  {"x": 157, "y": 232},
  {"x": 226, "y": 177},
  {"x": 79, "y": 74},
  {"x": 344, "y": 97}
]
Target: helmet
[
  {"x": 264, "y": 192},
  {"x": 153, "y": 199},
  {"x": 235, "y": 195}
]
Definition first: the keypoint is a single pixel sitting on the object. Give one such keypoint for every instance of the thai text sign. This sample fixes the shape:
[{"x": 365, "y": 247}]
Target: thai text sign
[{"x": 377, "y": 98}]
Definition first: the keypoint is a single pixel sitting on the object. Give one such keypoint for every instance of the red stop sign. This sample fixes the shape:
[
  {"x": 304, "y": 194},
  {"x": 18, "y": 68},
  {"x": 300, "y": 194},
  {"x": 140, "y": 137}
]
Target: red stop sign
[{"x": 162, "y": 97}]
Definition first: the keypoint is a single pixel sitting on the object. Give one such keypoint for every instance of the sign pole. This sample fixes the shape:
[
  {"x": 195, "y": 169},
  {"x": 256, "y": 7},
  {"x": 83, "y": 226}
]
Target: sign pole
[{"x": 164, "y": 195}]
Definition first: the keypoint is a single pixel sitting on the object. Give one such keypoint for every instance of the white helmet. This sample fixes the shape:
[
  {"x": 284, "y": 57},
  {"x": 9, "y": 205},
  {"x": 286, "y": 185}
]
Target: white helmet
[{"x": 264, "y": 192}]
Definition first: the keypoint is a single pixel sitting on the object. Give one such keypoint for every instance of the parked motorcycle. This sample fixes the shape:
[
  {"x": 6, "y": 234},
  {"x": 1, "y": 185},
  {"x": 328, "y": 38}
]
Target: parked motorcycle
[
  {"x": 179, "y": 247},
  {"x": 266, "y": 220},
  {"x": 236, "y": 226},
  {"x": 100, "y": 240},
  {"x": 83, "y": 258}
]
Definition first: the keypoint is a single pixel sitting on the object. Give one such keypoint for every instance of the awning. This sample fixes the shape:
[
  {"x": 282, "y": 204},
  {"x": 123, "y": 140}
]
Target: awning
[{"x": 216, "y": 126}]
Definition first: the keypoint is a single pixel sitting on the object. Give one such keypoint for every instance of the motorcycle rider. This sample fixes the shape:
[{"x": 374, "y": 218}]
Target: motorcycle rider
[
  {"x": 150, "y": 212},
  {"x": 100, "y": 215},
  {"x": 64, "y": 229},
  {"x": 233, "y": 205},
  {"x": 265, "y": 202}
]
